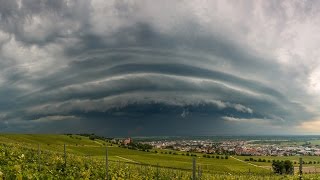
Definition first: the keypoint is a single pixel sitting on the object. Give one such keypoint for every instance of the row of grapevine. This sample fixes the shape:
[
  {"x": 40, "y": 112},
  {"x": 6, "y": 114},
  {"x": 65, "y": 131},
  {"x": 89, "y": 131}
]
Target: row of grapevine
[{"x": 25, "y": 163}]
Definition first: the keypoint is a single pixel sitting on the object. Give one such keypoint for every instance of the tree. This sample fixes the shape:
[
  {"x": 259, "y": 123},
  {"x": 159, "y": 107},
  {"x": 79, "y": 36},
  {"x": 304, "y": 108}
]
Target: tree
[
  {"x": 288, "y": 166},
  {"x": 92, "y": 137},
  {"x": 282, "y": 167}
]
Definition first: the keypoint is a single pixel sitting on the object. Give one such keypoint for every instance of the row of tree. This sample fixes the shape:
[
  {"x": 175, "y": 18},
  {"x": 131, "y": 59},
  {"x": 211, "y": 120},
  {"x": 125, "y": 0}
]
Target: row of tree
[
  {"x": 139, "y": 146},
  {"x": 259, "y": 160},
  {"x": 217, "y": 157}
]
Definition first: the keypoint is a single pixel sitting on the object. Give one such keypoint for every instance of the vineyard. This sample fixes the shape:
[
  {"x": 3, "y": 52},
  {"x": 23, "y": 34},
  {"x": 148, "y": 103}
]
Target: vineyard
[
  {"x": 18, "y": 161},
  {"x": 24, "y": 163}
]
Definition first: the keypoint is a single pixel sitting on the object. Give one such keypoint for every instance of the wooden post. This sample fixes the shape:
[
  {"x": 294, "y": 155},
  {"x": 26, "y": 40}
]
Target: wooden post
[
  {"x": 65, "y": 155},
  {"x": 39, "y": 167},
  {"x": 300, "y": 168},
  {"x": 129, "y": 171},
  {"x": 270, "y": 173},
  {"x": 157, "y": 171},
  {"x": 107, "y": 164},
  {"x": 194, "y": 168}
]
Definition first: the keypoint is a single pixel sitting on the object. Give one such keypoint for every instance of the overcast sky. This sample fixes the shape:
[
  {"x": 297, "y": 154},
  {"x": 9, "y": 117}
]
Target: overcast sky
[{"x": 131, "y": 68}]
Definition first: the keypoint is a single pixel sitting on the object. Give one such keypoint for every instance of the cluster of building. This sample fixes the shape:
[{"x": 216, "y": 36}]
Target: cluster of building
[
  {"x": 236, "y": 147},
  {"x": 275, "y": 150}
]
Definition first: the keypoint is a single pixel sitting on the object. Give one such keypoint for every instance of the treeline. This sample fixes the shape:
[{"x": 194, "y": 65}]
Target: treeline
[
  {"x": 193, "y": 155},
  {"x": 92, "y": 136},
  {"x": 138, "y": 146},
  {"x": 269, "y": 161},
  {"x": 217, "y": 157},
  {"x": 258, "y": 160}
]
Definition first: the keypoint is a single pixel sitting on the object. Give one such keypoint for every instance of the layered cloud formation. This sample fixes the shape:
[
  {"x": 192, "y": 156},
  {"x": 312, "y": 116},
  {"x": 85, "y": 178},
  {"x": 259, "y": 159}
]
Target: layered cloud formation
[{"x": 159, "y": 68}]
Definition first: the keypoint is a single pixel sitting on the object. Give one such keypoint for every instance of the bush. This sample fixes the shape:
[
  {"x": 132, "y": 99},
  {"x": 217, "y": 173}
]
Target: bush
[{"x": 283, "y": 167}]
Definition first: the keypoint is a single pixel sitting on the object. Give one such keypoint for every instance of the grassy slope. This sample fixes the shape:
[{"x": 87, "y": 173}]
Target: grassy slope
[{"x": 84, "y": 146}]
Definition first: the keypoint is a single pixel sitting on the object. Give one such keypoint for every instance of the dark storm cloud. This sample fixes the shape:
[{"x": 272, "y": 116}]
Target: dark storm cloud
[{"x": 116, "y": 68}]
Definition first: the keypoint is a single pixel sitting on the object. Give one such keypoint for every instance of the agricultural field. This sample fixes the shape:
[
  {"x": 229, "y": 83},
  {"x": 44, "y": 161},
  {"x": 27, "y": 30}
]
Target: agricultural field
[
  {"x": 20, "y": 156},
  {"x": 24, "y": 163},
  {"x": 83, "y": 146}
]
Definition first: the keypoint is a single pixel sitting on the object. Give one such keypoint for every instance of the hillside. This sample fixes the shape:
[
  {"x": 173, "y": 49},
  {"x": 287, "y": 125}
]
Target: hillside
[
  {"x": 83, "y": 146},
  {"x": 21, "y": 156}
]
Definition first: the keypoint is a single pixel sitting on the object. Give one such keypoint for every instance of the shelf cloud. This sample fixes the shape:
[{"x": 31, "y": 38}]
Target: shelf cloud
[{"x": 159, "y": 68}]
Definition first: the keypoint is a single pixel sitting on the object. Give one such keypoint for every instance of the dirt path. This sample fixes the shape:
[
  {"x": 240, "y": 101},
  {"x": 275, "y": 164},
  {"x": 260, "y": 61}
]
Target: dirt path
[
  {"x": 250, "y": 163},
  {"x": 130, "y": 160},
  {"x": 308, "y": 169}
]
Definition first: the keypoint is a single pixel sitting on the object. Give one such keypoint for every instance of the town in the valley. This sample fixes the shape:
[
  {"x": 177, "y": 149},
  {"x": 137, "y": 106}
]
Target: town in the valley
[{"x": 239, "y": 147}]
